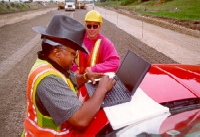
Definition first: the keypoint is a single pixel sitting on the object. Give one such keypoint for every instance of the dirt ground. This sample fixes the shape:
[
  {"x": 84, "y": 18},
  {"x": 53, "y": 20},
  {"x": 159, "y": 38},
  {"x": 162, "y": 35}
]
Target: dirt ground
[
  {"x": 14, "y": 71},
  {"x": 188, "y": 27}
]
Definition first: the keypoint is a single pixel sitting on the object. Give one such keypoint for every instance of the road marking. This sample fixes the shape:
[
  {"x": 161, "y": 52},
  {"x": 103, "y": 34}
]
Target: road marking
[{"x": 10, "y": 62}]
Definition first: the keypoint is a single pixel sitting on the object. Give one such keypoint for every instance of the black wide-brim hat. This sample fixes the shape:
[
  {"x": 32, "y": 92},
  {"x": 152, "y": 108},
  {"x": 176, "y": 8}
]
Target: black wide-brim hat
[{"x": 64, "y": 30}]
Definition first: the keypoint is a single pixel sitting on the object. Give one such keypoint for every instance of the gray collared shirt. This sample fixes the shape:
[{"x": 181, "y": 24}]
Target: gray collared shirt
[{"x": 57, "y": 98}]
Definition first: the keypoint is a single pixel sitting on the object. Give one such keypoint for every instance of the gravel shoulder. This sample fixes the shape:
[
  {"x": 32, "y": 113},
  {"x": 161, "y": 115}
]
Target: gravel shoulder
[{"x": 172, "y": 43}]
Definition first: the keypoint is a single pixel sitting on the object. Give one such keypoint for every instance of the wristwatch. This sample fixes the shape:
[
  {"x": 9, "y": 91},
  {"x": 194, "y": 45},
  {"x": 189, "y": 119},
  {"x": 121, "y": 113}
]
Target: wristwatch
[{"x": 84, "y": 76}]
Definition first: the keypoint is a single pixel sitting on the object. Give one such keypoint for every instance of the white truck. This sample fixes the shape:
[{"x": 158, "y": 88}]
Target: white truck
[{"x": 70, "y": 5}]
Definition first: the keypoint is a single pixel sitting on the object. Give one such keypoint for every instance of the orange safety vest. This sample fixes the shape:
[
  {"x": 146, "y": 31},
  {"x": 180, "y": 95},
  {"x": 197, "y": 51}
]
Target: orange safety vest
[
  {"x": 92, "y": 58},
  {"x": 35, "y": 123}
]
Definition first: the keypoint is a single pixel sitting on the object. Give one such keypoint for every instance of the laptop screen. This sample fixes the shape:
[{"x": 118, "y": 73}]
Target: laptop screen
[{"x": 132, "y": 71}]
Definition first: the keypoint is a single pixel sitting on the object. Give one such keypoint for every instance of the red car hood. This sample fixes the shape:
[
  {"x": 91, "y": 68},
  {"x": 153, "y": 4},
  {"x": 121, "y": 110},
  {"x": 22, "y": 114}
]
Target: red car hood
[
  {"x": 170, "y": 82},
  {"x": 163, "y": 83}
]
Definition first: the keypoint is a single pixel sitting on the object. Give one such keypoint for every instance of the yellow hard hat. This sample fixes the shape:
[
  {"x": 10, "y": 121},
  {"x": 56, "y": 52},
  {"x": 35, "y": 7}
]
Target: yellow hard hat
[{"x": 93, "y": 15}]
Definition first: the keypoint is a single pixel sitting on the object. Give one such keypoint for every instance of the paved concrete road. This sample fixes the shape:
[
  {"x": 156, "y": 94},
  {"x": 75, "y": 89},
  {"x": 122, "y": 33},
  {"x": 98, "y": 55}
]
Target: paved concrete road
[{"x": 19, "y": 16}]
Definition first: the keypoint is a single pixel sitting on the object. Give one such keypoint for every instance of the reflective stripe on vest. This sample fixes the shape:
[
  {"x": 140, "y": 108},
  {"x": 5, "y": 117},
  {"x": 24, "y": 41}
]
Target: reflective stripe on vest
[
  {"x": 95, "y": 53},
  {"x": 35, "y": 130},
  {"x": 35, "y": 122},
  {"x": 92, "y": 58}
]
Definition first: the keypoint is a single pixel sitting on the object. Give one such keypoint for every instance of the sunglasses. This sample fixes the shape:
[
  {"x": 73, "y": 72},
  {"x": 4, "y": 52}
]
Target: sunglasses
[{"x": 89, "y": 26}]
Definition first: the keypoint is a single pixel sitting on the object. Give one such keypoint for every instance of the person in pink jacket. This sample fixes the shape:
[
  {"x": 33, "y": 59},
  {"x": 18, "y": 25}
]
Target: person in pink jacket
[{"x": 103, "y": 55}]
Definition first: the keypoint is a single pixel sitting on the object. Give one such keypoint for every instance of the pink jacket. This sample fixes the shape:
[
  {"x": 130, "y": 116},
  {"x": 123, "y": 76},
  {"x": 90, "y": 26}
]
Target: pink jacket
[{"x": 109, "y": 59}]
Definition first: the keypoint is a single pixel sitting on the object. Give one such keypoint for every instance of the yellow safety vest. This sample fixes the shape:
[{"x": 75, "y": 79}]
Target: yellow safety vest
[{"x": 35, "y": 122}]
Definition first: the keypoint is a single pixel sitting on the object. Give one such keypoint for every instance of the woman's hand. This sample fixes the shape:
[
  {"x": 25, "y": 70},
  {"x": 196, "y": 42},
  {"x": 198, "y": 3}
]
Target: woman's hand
[
  {"x": 83, "y": 78},
  {"x": 93, "y": 75}
]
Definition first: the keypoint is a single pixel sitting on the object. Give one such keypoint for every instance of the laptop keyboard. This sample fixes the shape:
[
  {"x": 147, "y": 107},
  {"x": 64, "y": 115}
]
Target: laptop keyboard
[{"x": 117, "y": 92}]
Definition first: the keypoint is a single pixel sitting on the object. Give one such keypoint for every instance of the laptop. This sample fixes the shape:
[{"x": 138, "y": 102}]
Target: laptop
[{"x": 128, "y": 78}]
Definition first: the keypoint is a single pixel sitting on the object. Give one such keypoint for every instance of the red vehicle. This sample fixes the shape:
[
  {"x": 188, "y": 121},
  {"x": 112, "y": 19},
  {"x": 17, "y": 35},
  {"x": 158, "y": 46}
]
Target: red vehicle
[{"x": 173, "y": 85}]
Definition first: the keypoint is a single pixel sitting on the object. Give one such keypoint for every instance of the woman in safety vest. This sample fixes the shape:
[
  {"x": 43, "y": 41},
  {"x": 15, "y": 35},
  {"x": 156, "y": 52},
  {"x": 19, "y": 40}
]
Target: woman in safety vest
[
  {"x": 103, "y": 55},
  {"x": 53, "y": 106}
]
